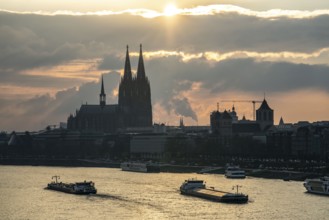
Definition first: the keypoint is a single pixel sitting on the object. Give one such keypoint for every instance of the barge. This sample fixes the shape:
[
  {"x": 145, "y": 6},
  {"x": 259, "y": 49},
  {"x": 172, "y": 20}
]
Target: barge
[
  {"x": 86, "y": 187},
  {"x": 197, "y": 188},
  {"x": 317, "y": 185}
]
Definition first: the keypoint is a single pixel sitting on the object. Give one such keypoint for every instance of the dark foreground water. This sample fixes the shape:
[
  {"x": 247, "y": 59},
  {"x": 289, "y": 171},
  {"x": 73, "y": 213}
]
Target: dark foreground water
[{"x": 128, "y": 195}]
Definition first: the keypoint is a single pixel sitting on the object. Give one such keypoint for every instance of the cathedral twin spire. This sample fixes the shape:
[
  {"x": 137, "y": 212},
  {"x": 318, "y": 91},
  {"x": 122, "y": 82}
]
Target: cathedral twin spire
[
  {"x": 127, "y": 70},
  {"x": 135, "y": 94},
  {"x": 127, "y": 73},
  {"x": 140, "y": 68}
]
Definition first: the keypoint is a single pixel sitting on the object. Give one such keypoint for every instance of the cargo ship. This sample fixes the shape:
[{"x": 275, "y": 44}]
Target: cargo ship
[
  {"x": 86, "y": 187},
  {"x": 197, "y": 188},
  {"x": 317, "y": 185},
  {"x": 140, "y": 167}
]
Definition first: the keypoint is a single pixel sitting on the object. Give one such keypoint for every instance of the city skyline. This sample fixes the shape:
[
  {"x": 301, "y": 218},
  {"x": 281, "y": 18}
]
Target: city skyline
[{"x": 197, "y": 54}]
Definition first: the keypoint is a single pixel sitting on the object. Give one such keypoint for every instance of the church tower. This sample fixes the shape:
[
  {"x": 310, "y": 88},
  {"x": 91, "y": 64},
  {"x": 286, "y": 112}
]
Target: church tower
[
  {"x": 102, "y": 96},
  {"x": 140, "y": 68},
  {"x": 135, "y": 95},
  {"x": 126, "y": 94},
  {"x": 125, "y": 87},
  {"x": 264, "y": 116},
  {"x": 142, "y": 95}
]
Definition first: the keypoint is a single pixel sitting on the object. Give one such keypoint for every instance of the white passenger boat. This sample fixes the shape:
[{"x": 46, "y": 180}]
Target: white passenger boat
[
  {"x": 235, "y": 172},
  {"x": 317, "y": 185},
  {"x": 140, "y": 167}
]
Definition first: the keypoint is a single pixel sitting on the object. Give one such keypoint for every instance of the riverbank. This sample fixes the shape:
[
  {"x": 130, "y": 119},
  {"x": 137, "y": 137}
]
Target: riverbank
[
  {"x": 64, "y": 162},
  {"x": 169, "y": 168}
]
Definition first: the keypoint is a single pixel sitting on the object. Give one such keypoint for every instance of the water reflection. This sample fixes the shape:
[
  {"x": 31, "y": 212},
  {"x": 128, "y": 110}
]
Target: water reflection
[
  {"x": 126, "y": 195},
  {"x": 104, "y": 196}
]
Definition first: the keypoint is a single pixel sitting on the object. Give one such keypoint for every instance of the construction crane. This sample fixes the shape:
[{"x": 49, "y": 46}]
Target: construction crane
[{"x": 252, "y": 101}]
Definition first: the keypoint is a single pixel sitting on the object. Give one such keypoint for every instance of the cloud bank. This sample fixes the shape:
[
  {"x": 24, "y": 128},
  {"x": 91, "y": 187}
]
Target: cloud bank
[
  {"x": 50, "y": 63},
  {"x": 218, "y": 9}
]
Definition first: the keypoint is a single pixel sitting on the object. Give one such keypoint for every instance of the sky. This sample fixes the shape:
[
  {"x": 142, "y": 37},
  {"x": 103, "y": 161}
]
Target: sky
[{"x": 197, "y": 53}]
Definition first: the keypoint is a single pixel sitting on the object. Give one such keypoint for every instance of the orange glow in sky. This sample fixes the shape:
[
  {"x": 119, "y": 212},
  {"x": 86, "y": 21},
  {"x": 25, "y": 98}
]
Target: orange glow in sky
[{"x": 196, "y": 53}]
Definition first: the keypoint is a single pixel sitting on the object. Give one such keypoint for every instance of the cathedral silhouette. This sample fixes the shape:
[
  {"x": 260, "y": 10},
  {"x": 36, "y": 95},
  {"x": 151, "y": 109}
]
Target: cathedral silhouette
[{"x": 133, "y": 110}]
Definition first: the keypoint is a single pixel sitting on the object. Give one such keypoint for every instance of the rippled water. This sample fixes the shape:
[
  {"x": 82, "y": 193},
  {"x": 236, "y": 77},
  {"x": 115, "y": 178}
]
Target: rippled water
[{"x": 129, "y": 195}]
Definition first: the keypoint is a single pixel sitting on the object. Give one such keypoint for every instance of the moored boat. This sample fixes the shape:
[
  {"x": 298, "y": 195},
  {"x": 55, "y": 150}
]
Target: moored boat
[
  {"x": 317, "y": 185},
  {"x": 235, "y": 172},
  {"x": 86, "y": 187},
  {"x": 197, "y": 188},
  {"x": 140, "y": 167}
]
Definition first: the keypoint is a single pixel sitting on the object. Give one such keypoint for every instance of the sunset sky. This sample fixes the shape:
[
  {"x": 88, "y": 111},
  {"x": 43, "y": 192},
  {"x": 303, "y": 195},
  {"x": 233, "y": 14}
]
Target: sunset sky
[{"x": 197, "y": 53}]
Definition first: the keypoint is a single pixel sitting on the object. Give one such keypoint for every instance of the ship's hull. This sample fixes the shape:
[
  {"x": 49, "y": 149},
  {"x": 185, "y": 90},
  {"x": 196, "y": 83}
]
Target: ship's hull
[
  {"x": 234, "y": 176},
  {"x": 318, "y": 192},
  {"x": 237, "y": 198},
  {"x": 217, "y": 196},
  {"x": 67, "y": 189},
  {"x": 135, "y": 169}
]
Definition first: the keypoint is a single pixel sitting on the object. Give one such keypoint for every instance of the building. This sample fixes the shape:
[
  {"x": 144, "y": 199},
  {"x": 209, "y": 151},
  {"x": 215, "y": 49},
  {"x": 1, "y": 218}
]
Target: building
[
  {"x": 133, "y": 110},
  {"x": 311, "y": 141},
  {"x": 214, "y": 122},
  {"x": 225, "y": 124},
  {"x": 233, "y": 115},
  {"x": 279, "y": 139},
  {"x": 265, "y": 116},
  {"x": 221, "y": 123},
  {"x": 148, "y": 146}
]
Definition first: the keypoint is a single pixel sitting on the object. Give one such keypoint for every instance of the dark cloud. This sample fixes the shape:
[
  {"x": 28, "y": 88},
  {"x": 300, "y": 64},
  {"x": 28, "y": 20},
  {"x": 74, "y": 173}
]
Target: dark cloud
[
  {"x": 42, "y": 110},
  {"x": 169, "y": 77},
  {"x": 167, "y": 82},
  {"x": 248, "y": 75},
  {"x": 34, "y": 41},
  {"x": 28, "y": 41},
  {"x": 235, "y": 74},
  {"x": 170, "y": 80},
  {"x": 111, "y": 61},
  {"x": 35, "y": 105},
  {"x": 89, "y": 93},
  {"x": 182, "y": 107},
  {"x": 17, "y": 78}
]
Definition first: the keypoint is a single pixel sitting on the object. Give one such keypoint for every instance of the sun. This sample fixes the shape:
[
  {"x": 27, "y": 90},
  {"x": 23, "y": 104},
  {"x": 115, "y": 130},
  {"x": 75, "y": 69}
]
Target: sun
[{"x": 170, "y": 10}]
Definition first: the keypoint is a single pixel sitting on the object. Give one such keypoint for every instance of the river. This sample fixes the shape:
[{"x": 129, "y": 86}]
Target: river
[{"x": 129, "y": 195}]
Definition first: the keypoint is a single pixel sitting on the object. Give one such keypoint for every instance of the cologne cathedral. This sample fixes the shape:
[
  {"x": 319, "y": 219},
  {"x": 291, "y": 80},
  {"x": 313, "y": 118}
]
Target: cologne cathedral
[{"x": 133, "y": 110}]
